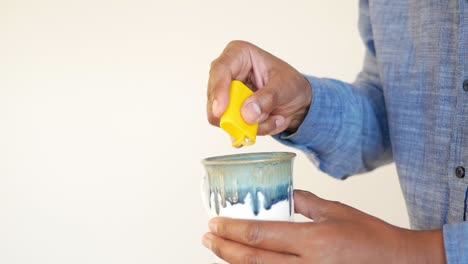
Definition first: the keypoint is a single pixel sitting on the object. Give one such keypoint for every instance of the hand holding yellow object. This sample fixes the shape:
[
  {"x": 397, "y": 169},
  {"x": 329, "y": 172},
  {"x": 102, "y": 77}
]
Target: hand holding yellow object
[{"x": 232, "y": 122}]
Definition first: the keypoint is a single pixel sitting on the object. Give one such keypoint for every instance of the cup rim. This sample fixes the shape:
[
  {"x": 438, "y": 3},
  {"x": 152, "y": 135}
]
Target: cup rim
[{"x": 233, "y": 159}]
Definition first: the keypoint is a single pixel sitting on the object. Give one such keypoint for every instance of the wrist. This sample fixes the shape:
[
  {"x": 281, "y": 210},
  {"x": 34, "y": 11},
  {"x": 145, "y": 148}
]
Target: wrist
[
  {"x": 302, "y": 111},
  {"x": 423, "y": 246}
]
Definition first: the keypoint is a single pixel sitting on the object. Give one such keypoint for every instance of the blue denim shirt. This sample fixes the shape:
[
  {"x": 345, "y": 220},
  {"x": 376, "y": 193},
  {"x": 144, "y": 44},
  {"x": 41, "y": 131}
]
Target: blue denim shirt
[{"x": 409, "y": 104}]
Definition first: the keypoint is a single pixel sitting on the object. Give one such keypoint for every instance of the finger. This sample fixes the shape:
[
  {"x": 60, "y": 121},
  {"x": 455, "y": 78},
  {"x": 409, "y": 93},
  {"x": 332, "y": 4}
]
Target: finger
[
  {"x": 272, "y": 125},
  {"x": 234, "y": 252},
  {"x": 312, "y": 206},
  {"x": 268, "y": 235},
  {"x": 233, "y": 63},
  {"x": 258, "y": 107},
  {"x": 218, "y": 91}
]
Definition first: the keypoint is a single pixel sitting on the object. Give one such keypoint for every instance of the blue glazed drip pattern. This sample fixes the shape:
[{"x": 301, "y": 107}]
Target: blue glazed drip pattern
[{"x": 232, "y": 183}]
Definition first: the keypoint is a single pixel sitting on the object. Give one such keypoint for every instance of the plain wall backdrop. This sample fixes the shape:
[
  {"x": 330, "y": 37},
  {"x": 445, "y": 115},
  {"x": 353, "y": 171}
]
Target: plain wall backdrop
[{"x": 103, "y": 123}]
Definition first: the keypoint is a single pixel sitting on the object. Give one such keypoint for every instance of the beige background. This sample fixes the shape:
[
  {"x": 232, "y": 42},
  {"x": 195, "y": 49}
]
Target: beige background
[{"x": 102, "y": 121}]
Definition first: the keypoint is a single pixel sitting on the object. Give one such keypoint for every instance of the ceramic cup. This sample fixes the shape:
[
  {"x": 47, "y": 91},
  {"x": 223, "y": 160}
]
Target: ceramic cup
[{"x": 255, "y": 186}]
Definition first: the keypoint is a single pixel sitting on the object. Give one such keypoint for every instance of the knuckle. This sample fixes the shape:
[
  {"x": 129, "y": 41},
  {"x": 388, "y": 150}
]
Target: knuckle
[
  {"x": 212, "y": 64},
  {"x": 237, "y": 44},
  {"x": 215, "y": 65},
  {"x": 302, "y": 195},
  {"x": 269, "y": 95},
  {"x": 336, "y": 204},
  {"x": 221, "y": 229},
  {"x": 254, "y": 234},
  {"x": 216, "y": 249},
  {"x": 300, "y": 192},
  {"x": 269, "y": 100},
  {"x": 267, "y": 127},
  {"x": 219, "y": 68},
  {"x": 308, "y": 194}
]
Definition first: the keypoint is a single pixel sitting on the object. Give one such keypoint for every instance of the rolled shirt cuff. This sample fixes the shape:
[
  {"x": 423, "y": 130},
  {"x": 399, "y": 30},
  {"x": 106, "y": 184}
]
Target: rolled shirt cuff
[{"x": 456, "y": 243}]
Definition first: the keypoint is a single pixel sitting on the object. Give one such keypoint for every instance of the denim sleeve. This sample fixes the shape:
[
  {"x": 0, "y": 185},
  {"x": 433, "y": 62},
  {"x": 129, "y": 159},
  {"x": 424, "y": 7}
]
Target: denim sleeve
[
  {"x": 345, "y": 131},
  {"x": 456, "y": 243}
]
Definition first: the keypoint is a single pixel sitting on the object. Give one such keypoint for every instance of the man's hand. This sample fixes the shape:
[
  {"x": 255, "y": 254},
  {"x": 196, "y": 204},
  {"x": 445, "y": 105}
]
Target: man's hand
[
  {"x": 339, "y": 234},
  {"x": 282, "y": 95}
]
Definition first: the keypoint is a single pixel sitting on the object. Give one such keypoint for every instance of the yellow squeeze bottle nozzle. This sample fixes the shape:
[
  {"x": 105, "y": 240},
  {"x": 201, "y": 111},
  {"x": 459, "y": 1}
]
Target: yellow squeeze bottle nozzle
[{"x": 232, "y": 122}]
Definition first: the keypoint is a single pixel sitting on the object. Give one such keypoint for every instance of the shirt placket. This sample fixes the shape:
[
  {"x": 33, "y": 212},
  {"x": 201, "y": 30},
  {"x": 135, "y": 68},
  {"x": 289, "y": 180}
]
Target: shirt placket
[{"x": 458, "y": 162}]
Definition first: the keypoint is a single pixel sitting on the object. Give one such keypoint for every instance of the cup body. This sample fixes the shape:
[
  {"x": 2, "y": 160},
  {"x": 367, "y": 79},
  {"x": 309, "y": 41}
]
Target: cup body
[{"x": 255, "y": 186}]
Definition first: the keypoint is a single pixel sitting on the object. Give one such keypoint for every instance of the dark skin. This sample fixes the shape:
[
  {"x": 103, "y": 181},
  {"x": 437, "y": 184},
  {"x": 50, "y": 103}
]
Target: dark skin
[
  {"x": 275, "y": 105},
  {"x": 338, "y": 233}
]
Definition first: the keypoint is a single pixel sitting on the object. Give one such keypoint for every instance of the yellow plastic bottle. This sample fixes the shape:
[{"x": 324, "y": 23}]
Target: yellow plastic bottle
[{"x": 232, "y": 122}]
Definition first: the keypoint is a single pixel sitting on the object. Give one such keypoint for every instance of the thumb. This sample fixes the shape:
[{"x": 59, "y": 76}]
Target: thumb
[
  {"x": 258, "y": 107},
  {"x": 311, "y": 206}
]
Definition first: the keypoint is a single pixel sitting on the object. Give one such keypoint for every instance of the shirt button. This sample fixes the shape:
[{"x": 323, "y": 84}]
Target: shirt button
[
  {"x": 465, "y": 85},
  {"x": 460, "y": 172}
]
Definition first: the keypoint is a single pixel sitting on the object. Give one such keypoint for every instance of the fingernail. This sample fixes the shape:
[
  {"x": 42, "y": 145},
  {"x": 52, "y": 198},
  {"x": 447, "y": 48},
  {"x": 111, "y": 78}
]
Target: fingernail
[
  {"x": 206, "y": 241},
  {"x": 279, "y": 121},
  {"x": 253, "y": 112},
  {"x": 213, "y": 225},
  {"x": 215, "y": 108}
]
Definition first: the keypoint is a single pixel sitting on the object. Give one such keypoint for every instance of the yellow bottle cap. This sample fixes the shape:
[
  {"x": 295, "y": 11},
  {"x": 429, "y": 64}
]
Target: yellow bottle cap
[{"x": 232, "y": 122}]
